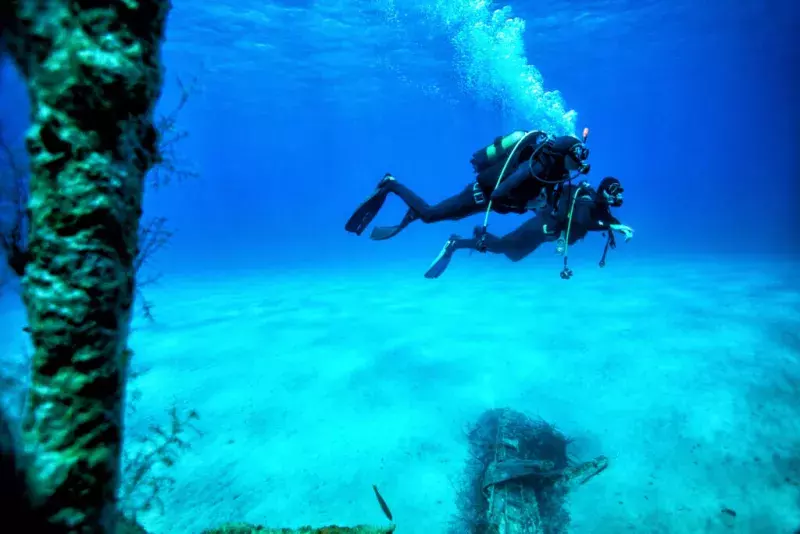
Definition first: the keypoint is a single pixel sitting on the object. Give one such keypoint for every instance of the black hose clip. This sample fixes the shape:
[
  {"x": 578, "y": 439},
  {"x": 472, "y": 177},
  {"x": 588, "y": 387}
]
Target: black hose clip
[
  {"x": 566, "y": 272},
  {"x": 479, "y": 234},
  {"x": 611, "y": 242}
]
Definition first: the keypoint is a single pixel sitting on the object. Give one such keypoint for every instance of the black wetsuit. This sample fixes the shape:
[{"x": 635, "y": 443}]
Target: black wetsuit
[
  {"x": 590, "y": 214},
  {"x": 519, "y": 187}
]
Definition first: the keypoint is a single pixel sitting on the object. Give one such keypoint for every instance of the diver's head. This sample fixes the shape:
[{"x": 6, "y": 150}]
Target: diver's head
[
  {"x": 610, "y": 192},
  {"x": 573, "y": 151}
]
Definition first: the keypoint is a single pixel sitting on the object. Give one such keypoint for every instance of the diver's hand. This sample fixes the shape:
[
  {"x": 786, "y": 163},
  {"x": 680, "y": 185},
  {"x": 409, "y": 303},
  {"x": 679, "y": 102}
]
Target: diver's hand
[
  {"x": 479, "y": 234},
  {"x": 627, "y": 231}
]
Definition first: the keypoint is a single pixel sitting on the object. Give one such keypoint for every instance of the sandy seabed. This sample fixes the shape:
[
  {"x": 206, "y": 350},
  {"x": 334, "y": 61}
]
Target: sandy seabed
[{"x": 311, "y": 386}]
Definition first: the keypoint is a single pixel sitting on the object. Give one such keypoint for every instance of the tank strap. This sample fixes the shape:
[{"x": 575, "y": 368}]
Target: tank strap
[{"x": 556, "y": 197}]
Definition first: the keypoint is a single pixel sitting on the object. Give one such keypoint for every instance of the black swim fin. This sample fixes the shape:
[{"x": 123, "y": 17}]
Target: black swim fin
[
  {"x": 381, "y": 233},
  {"x": 366, "y": 212},
  {"x": 441, "y": 262},
  {"x": 368, "y": 209}
]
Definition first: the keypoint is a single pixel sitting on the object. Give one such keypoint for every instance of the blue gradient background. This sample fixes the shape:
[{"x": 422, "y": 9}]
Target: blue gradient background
[{"x": 694, "y": 108}]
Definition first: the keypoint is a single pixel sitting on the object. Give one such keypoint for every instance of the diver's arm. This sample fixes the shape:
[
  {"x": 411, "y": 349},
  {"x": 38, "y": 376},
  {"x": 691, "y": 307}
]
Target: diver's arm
[
  {"x": 582, "y": 216},
  {"x": 627, "y": 231},
  {"x": 618, "y": 227},
  {"x": 623, "y": 229},
  {"x": 604, "y": 222},
  {"x": 508, "y": 184}
]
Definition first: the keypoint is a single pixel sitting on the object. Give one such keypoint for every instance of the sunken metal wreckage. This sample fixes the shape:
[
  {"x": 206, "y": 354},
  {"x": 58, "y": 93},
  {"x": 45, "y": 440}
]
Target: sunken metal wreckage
[{"x": 516, "y": 481}]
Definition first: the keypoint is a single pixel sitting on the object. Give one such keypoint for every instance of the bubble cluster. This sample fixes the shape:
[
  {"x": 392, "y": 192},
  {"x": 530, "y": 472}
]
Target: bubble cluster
[{"x": 493, "y": 65}]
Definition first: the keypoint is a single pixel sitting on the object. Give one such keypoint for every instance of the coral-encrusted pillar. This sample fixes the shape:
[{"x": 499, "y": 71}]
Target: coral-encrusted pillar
[{"x": 94, "y": 75}]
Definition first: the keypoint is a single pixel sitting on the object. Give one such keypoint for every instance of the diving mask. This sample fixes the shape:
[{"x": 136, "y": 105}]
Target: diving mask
[
  {"x": 579, "y": 152},
  {"x": 614, "y": 192}
]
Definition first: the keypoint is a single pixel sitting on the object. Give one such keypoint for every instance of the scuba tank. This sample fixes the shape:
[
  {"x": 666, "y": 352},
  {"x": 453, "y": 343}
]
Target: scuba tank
[
  {"x": 498, "y": 151},
  {"x": 489, "y": 161}
]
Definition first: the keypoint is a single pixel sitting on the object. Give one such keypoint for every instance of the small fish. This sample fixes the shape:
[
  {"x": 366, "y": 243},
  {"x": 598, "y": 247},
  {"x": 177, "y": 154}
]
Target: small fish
[{"x": 384, "y": 506}]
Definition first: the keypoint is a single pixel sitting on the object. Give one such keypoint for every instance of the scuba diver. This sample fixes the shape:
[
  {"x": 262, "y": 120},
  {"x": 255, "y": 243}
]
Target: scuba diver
[
  {"x": 580, "y": 209},
  {"x": 514, "y": 174}
]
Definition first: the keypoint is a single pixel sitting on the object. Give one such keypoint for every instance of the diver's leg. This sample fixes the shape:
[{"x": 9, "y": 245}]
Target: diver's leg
[
  {"x": 451, "y": 209},
  {"x": 515, "y": 245}
]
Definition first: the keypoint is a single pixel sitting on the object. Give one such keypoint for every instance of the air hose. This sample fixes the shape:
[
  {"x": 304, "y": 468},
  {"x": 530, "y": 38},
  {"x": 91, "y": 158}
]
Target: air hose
[
  {"x": 530, "y": 164},
  {"x": 505, "y": 167},
  {"x": 566, "y": 273}
]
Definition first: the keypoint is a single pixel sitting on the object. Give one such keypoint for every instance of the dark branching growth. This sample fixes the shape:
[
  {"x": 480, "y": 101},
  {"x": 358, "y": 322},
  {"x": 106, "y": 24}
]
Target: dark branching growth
[
  {"x": 146, "y": 461},
  {"x": 145, "y": 471},
  {"x": 145, "y": 465},
  {"x": 171, "y": 166},
  {"x": 153, "y": 236}
]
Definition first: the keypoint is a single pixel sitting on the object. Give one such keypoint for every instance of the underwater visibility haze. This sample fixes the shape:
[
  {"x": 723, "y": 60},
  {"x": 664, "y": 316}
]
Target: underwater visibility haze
[{"x": 321, "y": 362}]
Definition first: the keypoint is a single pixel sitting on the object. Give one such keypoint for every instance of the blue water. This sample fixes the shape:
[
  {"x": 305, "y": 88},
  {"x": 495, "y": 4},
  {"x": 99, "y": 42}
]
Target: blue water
[{"x": 322, "y": 363}]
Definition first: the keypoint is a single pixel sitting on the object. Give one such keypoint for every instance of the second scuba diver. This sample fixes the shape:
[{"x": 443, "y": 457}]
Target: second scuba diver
[
  {"x": 516, "y": 173},
  {"x": 580, "y": 210}
]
